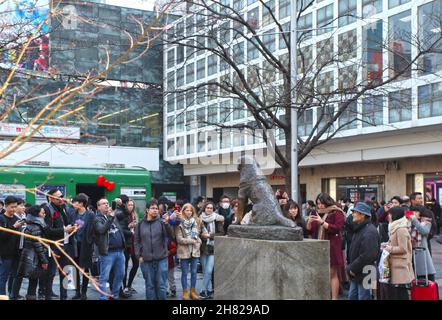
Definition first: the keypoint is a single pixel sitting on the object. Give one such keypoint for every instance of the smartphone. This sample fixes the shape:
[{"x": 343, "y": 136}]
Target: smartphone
[
  {"x": 177, "y": 208},
  {"x": 114, "y": 205}
]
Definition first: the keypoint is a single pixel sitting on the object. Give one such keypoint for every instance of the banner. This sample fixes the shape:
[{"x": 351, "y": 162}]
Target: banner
[{"x": 18, "y": 21}]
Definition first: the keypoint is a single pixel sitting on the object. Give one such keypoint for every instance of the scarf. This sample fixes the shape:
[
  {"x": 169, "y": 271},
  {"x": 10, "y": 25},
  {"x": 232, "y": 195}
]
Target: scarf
[
  {"x": 209, "y": 222},
  {"x": 190, "y": 228},
  {"x": 324, "y": 213},
  {"x": 395, "y": 225},
  {"x": 416, "y": 236}
]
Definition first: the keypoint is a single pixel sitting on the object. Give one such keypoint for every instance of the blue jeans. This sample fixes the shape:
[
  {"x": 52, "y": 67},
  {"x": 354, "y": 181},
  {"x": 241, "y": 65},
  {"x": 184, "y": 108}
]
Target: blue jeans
[
  {"x": 185, "y": 270},
  {"x": 155, "y": 277},
  {"x": 358, "y": 292},
  {"x": 207, "y": 262},
  {"x": 8, "y": 267},
  {"x": 114, "y": 260}
]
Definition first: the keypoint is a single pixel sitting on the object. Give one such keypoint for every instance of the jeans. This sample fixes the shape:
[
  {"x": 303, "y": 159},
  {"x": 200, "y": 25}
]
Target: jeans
[
  {"x": 185, "y": 270},
  {"x": 155, "y": 277},
  {"x": 8, "y": 268},
  {"x": 207, "y": 262},
  {"x": 113, "y": 260},
  {"x": 358, "y": 292}
]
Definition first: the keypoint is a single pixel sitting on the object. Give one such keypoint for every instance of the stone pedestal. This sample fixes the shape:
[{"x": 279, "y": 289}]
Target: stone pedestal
[{"x": 252, "y": 269}]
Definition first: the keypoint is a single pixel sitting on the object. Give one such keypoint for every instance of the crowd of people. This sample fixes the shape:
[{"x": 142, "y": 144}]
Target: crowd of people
[{"x": 105, "y": 240}]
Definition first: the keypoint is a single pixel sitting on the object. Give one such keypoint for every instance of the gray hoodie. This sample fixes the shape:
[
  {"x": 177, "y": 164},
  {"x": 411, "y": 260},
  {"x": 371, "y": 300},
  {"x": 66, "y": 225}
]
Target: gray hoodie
[{"x": 151, "y": 239}]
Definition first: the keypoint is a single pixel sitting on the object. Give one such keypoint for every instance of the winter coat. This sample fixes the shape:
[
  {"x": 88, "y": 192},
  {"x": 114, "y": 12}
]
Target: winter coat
[
  {"x": 123, "y": 217},
  {"x": 56, "y": 219},
  {"x": 102, "y": 225},
  {"x": 400, "y": 256},
  {"x": 424, "y": 229},
  {"x": 228, "y": 217},
  {"x": 219, "y": 231},
  {"x": 34, "y": 253},
  {"x": 151, "y": 237},
  {"x": 364, "y": 249},
  {"x": 8, "y": 241},
  {"x": 86, "y": 240},
  {"x": 186, "y": 249}
]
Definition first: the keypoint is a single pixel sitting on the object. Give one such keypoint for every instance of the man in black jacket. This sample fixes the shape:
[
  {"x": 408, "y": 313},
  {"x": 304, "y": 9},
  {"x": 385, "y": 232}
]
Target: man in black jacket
[
  {"x": 364, "y": 251},
  {"x": 58, "y": 227},
  {"x": 8, "y": 243},
  {"x": 109, "y": 238}
]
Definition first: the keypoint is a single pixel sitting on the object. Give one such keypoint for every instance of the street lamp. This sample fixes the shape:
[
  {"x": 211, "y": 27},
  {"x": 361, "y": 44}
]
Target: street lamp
[{"x": 293, "y": 110}]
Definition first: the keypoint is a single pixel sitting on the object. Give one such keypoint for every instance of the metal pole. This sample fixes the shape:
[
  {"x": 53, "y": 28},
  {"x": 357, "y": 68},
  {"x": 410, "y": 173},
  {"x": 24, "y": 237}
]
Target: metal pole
[{"x": 293, "y": 110}]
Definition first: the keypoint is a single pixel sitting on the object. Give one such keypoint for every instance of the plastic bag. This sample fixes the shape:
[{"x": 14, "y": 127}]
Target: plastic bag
[{"x": 384, "y": 267}]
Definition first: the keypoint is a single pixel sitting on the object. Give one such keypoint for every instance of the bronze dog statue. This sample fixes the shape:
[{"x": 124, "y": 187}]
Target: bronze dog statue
[{"x": 254, "y": 186}]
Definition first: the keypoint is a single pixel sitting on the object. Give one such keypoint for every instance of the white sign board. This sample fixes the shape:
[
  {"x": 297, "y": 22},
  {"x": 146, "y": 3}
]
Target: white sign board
[
  {"x": 14, "y": 129},
  {"x": 134, "y": 192},
  {"x": 16, "y": 190}
]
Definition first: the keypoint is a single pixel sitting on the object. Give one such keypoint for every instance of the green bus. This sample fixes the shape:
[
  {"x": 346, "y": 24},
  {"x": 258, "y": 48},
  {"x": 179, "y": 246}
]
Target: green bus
[{"x": 26, "y": 182}]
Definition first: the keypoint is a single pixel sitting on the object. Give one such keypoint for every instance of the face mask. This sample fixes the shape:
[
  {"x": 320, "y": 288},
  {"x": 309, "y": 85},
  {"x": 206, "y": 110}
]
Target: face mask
[{"x": 226, "y": 206}]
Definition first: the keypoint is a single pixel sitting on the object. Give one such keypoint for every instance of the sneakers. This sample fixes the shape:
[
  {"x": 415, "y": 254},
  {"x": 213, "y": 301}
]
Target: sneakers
[
  {"x": 124, "y": 295},
  {"x": 204, "y": 295},
  {"x": 132, "y": 290}
]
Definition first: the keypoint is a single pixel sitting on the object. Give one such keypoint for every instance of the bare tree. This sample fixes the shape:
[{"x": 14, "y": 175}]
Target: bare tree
[{"x": 235, "y": 40}]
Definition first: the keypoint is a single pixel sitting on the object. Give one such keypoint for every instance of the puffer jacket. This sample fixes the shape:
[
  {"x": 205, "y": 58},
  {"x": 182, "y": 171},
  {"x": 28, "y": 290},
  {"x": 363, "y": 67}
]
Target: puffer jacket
[
  {"x": 34, "y": 254},
  {"x": 186, "y": 248}
]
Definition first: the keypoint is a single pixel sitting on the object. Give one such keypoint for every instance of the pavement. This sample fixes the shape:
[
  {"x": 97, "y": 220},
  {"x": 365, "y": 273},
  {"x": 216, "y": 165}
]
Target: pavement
[{"x": 138, "y": 283}]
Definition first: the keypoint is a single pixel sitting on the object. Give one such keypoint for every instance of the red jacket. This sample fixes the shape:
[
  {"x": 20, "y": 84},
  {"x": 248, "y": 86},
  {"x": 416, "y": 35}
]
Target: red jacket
[{"x": 171, "y": 247}]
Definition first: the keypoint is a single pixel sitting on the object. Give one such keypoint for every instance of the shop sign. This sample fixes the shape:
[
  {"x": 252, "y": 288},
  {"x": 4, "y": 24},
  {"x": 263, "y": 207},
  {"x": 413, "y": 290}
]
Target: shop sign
[
  {"x": 15, "y": 129},
  {"x": 133, "y": 192},
  {"x": 171, "y": 196},
  {"x": 15, "y": 190}
]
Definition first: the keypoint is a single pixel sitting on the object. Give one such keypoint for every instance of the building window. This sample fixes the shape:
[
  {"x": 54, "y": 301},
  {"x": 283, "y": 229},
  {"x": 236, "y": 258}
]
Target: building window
[
  {"x": 201, "y": 142},
  {"x": 180, "y": 77},
  {"x": 324, "y": 116},
  {"x": 253, "y": 76},
  {"x": 190, "y": 98},
  {"x": 180, "y": 122},
  {"x": 238, "y": 109},
  {"x": 190, "y": 120},
  {"x": 372, "y": 45},
  {"x": 348, "y": 118},
  {"x": 324, "y": 53},
  {"x": 324, "y": 19},
  {"x": 212, "y": 141},
  {"x": 253, "y": 19},
  {"x": 268, "y": 72},
  {"x": 305, "y": 123},
  {"x": 224, "y": 81},
  {"x": 170, "y": 102},
  {"x": 212, "y": 65},
  {"x": 372, "y": 111},
  {"x": 266, "y": 15},
  {"x": 180, "y": 101},
  {"x": 224, "y": 33},
  {"x": 305, "y": 27},
  {"x": 225, "y": 112},
  {"x": 238, "y": 138},
  {"x": 170, "y": 147},
  {"x": 190, "y": 143},
  {"x": 395, "y": 3},
  {"x": 252, "y": 50},
  {"x": 430, "y": 29},
  {"x": 180, "y": 54},
  {"x": 201, "y": 69},
  {"x": 190, "y": 73},
  {"x": 170, "y": 81},
  {"x": 190, "y": 26},
  {"x": 238, "y": 5},
  {"x": 347, "y": 77},
  {"x": 399, "y": 106},
  {"x": 238, "y": 53},
  {"x": 201, "y": 117},
  {"x": 347, "y": 45},
  {"x": 347, "y": 12},
  {"x": 180, "y": 145},
  {"x": 212, "y": 116},
  {"x": 201, "y": 95},
  {"x": 225, "y": 139},
  {"x": 286, "y": 34},
  {"x": 400, "y": 45},
  {"x": 170, "y": 125},
  {"x": 269, "y": 40},
  {"x": 305, "y": 59},
  {"x": 201, "y": 45},
  {"x": 325, "y": 82},
  {"x": 284, "y": 8},
  {"x": 180, "y": 30},
  {"x": 212, "y": 91},
  {"x": 430, "y": 100},
  {"x": 212, "y": 38},
  {"x": 190, "y": 49},
  {"x": 171, "y": 58},
  {"x": 371, "y": 7}
]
